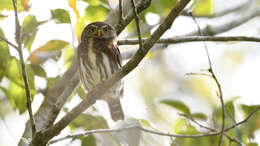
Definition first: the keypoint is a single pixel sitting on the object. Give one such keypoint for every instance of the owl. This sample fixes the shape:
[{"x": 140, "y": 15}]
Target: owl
[{"x": 98, "y": 58}]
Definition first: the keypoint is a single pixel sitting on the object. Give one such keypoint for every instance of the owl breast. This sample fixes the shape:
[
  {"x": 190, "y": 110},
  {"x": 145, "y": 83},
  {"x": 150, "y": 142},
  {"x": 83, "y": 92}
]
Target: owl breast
[{"x": 96, "y": 66}]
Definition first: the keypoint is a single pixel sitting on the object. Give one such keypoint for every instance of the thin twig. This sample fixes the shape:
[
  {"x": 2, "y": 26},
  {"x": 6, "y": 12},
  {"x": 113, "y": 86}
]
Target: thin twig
[
  {"x": 184, "y": 39},
  {"x": 137, "y": 25},
  {"x": 245, "y": 120},
  {"x": 218, "y": 85},
  {"x": 200, "y": 74},
  {"x": 210, "y": 129},
  {"x": 121, "y": 15},
  {"x": 155, "y": 132},
  {"x": 25, "y": 78},
  {"x": 132, "y": 127},
  {"x": 8, "y": 42}
]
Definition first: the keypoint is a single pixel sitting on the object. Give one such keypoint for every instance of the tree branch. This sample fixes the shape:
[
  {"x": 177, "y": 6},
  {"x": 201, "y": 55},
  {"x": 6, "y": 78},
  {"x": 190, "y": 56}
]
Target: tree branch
[
  {"x": 155, "y": 132},
  {"x": 184, "y": 39},
  {"x": 229, "y": 22},
  {"x": 245, "y": 120},
  {"x": 140, "y": 6},
  {"x": 8, "y": 42},
  {"x": 43, "y": 137},
  {"x": 25, "y": 78},
  {"x": 210, "y": 129},
  {"x": 137, "y": 25},
  {"x": 121, "y": 15},
  {"x": 220, "y": 94}
]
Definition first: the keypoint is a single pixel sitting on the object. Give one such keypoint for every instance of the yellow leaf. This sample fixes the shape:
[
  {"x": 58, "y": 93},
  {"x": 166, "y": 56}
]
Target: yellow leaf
[
  {"x": 73, "y": 5},
  {"x": 50, "y": 49},
  {"x": 25, "y": 4},
  {"x": 79, "y": 26},
  {"x": 234, "y": 57},
  {"x": 203, "y": 7},
  {"x": 149, "y": 55},
  {"x": 202, "y": 86}
]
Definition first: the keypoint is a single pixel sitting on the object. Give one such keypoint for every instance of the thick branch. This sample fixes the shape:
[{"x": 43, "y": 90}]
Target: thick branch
[
  {"x": 121, "y": 15},
  {"x": 25, "y": 78},
  {"x": 43, "y": 137},
  {"x": 140, "y": 6}
]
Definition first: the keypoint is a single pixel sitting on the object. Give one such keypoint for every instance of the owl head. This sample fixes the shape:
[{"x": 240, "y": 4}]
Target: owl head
[{"x": 98, "y": 30}]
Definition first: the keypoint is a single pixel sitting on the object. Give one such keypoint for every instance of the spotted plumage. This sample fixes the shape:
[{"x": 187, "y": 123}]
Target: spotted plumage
[{"x": 98, "y": 58}]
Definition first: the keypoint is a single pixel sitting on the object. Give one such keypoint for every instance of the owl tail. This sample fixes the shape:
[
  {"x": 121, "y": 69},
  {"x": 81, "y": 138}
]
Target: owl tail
[{"x": 116, "y": 110}]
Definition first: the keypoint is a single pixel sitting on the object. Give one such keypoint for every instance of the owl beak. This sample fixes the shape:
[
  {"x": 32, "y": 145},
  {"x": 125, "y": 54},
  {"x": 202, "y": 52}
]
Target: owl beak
[{"x": 99, "y": 33}]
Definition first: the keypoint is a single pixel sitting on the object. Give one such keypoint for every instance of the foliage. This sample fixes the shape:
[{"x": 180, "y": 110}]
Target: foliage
[{"x": 150, "y": 81}]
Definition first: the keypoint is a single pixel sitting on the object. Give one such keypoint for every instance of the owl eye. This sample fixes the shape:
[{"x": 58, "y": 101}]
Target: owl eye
[
  {"x": 105, "y": 29},
  {"x": 91, "y": 29}
]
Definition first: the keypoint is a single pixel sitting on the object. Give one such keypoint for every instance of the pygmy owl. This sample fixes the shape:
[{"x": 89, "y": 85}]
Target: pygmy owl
[{"x": 98, "y": 58}]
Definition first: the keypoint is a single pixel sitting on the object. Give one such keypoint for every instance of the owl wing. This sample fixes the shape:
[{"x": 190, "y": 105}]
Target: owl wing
[{"x": 117, "y": 55}]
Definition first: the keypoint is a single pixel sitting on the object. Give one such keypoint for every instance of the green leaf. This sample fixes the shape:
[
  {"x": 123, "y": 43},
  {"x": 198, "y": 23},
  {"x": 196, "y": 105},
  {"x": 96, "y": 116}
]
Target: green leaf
[
  {"x": 49, "y": 50},
  {"x": 28, "y": 40},
  {"x": 252, "y": 144},
  {"x": 81, "y": 92},
  {"x": 89, "y": 141},
  {"x": 161, "y": 7},
  {"x": 69, "y": 54},
  {"x": 247, "y": 109},
  {"x": 93, "y": 2},
  {"x": 182, "y": 126},
  {"x": 38, "y": 70},
  {"x": 1, "y": 74},
  {"x": 96, "y": 13},
  {"x": 16, "y": 93},
  {"x": 2, "y": 16},
  {"x": 4, "y": 55},
  {"x": 203, "y": 7},
  {"x": 199, "y": 116},
  {"x": 178, "y": 105},
  {"x": 8, "y": 5},
  {"x": 14, "y": 73},
  {"x": 4, "y": 90},
  {"x": 60, "y": 16},
  {"x": 17, "y": 97},
  {"x": 230, "y": 109},
  {"x": 29, "y": 30},
  {"x": 89, "y": 122}
]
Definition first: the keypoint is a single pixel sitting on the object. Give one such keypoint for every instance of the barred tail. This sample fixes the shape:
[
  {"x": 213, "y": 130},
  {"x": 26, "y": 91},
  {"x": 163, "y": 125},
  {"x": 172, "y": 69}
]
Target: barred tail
[{"x": 115, "y": 109}]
